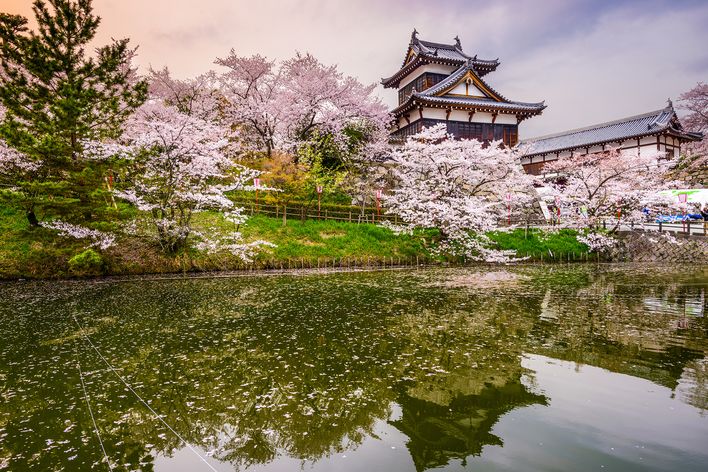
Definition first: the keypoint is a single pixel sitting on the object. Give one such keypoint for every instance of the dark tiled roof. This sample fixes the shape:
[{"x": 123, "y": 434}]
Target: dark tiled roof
[
  {"x": 646, "y": 124},
  {"x": 428, "y": 51},
  {"x": 446, "y": 51},
  {"x": 484, "y": 104},
  {"x": 430, "y": 97}
]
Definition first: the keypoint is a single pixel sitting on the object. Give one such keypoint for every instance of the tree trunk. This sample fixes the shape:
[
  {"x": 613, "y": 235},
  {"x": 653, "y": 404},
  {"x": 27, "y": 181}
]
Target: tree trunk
[{"x": 32, "y": 219}]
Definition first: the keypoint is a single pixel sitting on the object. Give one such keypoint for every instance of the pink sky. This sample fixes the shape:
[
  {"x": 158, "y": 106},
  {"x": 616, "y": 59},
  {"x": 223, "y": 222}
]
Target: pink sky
[{"x": 590, "y": 60}]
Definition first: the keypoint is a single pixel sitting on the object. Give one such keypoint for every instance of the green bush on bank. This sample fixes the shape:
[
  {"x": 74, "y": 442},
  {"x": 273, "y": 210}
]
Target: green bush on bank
[{"x": 86, "y": 263}]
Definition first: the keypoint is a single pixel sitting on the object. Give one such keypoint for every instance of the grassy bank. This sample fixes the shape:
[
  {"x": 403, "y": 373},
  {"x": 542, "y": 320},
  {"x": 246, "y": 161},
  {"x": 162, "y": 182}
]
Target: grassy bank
[
  {"x": 40, "y": 253},
  {"x": 538, "y": 246}
]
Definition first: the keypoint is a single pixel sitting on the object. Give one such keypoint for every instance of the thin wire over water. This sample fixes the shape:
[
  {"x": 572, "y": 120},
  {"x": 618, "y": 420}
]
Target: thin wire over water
[
  {"x": 88, "y": 404},
  {"x": 81, "y": 330}
]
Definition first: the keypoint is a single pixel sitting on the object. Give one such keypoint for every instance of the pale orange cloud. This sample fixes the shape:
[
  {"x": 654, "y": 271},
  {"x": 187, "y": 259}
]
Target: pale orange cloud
[{"x": 591, "y": 61}]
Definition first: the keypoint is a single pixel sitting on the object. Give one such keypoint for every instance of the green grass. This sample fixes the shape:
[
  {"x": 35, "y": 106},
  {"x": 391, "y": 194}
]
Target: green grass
[
  {"x": 40, "y": 253},
  {"x": 326, "y": 240},
  {"x": 538, "y": 245},
  {"x": 32, "y": 253}
]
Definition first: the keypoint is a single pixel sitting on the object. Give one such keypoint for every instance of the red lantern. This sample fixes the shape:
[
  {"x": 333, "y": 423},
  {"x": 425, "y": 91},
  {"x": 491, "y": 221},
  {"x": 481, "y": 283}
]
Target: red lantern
[
  {"x": 319, "y": 194},
  {"x": 379, "y": 192},
  {"x": 508, "y": 209}
]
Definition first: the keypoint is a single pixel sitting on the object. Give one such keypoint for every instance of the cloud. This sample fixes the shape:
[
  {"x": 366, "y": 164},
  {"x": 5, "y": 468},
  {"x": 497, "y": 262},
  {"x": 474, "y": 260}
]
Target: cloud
[{"x": 590, "y": 60}]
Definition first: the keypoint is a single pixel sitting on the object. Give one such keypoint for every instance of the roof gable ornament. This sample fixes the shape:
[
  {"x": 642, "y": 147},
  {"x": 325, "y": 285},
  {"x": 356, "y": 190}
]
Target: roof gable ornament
[
  {"x": 458, "y": 44},
  {"x": 472, "y": 84},
  {"x": 414, "y": 35}
]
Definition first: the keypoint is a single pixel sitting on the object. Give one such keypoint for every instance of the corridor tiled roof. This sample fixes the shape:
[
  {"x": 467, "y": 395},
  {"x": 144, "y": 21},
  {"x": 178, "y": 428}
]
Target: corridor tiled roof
[{"x": 637, "y": 126}]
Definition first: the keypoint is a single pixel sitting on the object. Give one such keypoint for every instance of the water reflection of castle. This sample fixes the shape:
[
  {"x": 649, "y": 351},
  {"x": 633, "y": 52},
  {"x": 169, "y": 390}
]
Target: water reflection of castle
[
  {"x": 439, "y": 433},
  {"x": 442, "y": 431},
  {"x": 453, "y": 359}
]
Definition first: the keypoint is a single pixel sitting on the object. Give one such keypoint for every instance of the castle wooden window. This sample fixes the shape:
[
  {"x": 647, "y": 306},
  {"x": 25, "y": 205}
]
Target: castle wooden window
[
  {"x": 484, "y": 132},
  {"x": 420, "y": 83}
]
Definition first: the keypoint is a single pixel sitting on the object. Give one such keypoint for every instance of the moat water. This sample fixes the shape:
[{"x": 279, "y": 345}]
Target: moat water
[{"x": 522, "y": 368}]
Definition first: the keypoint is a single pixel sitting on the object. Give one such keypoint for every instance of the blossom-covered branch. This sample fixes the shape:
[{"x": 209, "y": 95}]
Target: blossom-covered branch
[
  {"x": 180, "y": 164},
  {"x": 456, "y": 186},
  {"x": 615, "y": 186},
  {"x": 98, "y": 239}
]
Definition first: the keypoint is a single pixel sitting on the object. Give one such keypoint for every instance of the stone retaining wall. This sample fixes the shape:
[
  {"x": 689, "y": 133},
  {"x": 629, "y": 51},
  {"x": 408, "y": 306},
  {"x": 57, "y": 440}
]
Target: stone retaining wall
[{"x": 660, "y": 247}]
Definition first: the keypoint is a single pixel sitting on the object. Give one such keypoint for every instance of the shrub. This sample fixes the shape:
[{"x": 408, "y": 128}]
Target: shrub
[{"x": 86, "y": 263}]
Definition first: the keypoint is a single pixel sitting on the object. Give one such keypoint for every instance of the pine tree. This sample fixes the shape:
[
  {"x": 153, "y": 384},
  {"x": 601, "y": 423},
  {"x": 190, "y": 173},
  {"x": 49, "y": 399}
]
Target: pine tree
[{"x": 57, "y": 97}]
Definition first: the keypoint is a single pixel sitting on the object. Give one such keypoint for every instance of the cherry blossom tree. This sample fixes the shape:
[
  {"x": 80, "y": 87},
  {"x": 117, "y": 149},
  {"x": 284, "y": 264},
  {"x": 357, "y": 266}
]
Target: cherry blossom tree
[
  {"x": 252, "y": 88},
  {"x": 695, "y": 101},
  {"x": 298, "y": 102},
  {"x": 14, "y": 165},
  {"x": 181, "y": 165},
  {"x": 456, "y": 186},
  {"x": 321, "y": 100},
  {"x": 614, "y": 186}
]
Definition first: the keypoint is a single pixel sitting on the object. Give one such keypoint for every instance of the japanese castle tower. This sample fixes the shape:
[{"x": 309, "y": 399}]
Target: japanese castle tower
[{"x": 440, "y": 83}]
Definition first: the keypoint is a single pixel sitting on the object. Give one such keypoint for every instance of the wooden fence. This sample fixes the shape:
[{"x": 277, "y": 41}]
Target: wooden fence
[
  {"x": 309, "y": 212},
  {"x": 358, "y": 215}
]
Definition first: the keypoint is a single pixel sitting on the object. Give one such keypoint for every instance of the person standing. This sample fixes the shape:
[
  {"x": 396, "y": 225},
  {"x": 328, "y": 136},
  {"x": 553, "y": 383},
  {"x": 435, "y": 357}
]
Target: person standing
[{"x": 704, "y": 214}]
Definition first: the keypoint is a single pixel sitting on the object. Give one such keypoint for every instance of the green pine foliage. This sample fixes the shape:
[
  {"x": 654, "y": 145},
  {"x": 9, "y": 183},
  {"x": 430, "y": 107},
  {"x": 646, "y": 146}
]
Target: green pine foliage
[{"x": 57, "y": 95}]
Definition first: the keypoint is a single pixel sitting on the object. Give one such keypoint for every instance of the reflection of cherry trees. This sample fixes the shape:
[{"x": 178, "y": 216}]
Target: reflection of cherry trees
[
  {"x": 250, "y": 370},
  {"x": 693, "y": 386},
  {"x": 615, "y": 323}
]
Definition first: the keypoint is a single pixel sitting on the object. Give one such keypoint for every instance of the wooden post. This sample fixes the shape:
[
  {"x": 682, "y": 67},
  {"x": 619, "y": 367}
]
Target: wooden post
[
  {"x": 285, "y": 215},
  {"x": 350, "y": 216}
]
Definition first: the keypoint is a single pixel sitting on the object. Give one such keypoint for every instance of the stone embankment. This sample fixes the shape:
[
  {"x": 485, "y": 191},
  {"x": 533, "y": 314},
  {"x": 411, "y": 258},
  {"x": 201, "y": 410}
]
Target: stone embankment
[{"x": 660, "y": 247}]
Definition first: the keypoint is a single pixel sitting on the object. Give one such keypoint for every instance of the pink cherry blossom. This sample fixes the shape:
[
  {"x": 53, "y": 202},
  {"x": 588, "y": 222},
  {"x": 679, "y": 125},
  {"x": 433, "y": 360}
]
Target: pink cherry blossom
[
  {"x": 615, "y": 186},
  {"x": 457, "y": 186},
  {"x": 181, "y": 163},
  {"x": 282, "y": 106},
  {"x": 97, "y": 238},
  {"x": 695, "y": 101}
]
